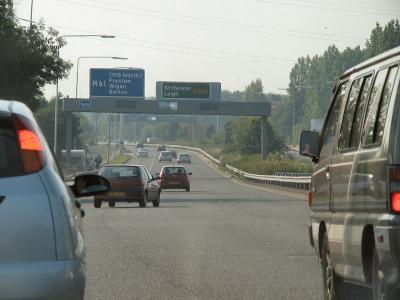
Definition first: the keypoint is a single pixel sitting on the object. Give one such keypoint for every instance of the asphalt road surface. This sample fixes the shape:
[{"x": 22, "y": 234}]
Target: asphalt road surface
[{"x": 222, "y": 240}]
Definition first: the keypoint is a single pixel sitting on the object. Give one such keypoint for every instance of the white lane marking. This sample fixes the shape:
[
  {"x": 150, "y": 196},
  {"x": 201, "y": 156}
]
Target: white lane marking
[{"x": 152, "y": 162}]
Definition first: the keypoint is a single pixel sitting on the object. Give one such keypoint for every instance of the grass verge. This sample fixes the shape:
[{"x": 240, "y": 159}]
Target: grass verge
[
  {"x": 121, "y": 159},
  {"x": 274, "y": 164}
]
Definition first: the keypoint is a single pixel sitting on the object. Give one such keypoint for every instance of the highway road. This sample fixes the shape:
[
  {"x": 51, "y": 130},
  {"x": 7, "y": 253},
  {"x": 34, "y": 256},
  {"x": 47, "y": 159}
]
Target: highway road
[{"x": 222, "y": 240}]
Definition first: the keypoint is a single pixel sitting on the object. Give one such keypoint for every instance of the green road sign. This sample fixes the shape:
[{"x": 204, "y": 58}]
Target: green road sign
[{"x": 185, "y": 90}]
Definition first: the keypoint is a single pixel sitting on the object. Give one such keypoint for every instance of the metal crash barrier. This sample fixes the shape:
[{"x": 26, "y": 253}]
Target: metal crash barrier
[{"x": 290, "y": 180}]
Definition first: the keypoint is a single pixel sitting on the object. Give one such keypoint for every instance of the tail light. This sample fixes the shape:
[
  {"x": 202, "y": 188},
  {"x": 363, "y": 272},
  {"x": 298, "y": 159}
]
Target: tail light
[
  {"x": 30, "y": 145},
  {"x": 394, "y": 184},
  {"x": 395, "y": 202}
]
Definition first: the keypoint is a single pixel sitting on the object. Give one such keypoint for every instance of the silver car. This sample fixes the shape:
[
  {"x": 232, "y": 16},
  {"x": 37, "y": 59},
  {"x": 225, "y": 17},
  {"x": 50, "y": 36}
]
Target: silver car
[
  {"x": 144, "y": 153},
  {"x": 41, "y": 243},
  {"x": 184, "y": 158},
  {"x": 165, "y": 156}
]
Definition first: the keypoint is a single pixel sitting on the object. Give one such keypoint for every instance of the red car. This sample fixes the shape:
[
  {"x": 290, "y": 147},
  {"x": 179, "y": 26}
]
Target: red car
[
  {"x": 129, "y": 183},
  {"x": 175, "y": 177}
]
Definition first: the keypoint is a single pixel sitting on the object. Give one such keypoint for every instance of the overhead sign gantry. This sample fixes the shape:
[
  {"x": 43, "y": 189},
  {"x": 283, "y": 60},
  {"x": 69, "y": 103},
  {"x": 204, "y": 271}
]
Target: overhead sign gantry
[{"x": 122, "y": 91}]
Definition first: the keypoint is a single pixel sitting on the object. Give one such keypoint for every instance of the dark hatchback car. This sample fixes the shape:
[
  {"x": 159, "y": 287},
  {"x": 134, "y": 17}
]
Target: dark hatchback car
[
  {"x": 175, "y": 177},
  {"x": 173, "y": 153},
  {"x": 129, "y": 183},
  {"x": 161, "y": 148},
  {"x": 355, "y": 186}
]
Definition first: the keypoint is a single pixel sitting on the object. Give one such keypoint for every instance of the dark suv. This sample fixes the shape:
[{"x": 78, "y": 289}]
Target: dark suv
[{"x": 355, "y": 187}]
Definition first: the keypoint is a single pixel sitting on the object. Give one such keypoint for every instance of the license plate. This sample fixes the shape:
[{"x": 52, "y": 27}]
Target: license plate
[{"x": 119, "y": 194}]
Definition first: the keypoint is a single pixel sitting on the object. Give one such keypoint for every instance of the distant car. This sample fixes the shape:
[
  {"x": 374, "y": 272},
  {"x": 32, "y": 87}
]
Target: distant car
[
  {"x": 161, "y": 148},
  {"x": 42, "y": 249},
  {"x": 175, "y": 177},
  {"x": 142, "y": 153},
  {"x": 173, "y": 153},
  {"x": 165, "y": 156},
  {"x": 184, "y": 158},
  {"x": 129, "y": 183},
  {"x": 139, "y": 145},
  {"x": 149, "y": 140}
]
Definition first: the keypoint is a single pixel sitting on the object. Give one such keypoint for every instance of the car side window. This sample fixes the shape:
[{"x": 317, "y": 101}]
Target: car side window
[
  {"x": 354, "y": 112},
  {"x": 348, "y": 116},
  {"x": 378, "y": 105},
  {"x": 148, "y": 174},
  {"x": 359, "y": 112},
  {"x": 143, "y": 174},
  {"x": 329, "y": 131}
]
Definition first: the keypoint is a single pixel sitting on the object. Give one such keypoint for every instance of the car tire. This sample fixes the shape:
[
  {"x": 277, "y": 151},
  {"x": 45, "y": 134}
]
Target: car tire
[
  {"x": 188, "y": 189},
  {"x": 143, "y": 201},
  {"x": 97, "y": 203},
  {"x": 332, "y": 284},
  {"x": 111, "y": 203},
  {"x": 378, "y": 289},
  {"x": 156, "y": 203}
]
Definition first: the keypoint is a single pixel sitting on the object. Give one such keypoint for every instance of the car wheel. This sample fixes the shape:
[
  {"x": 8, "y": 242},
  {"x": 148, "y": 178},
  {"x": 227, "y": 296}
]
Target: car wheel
[
  {"x": 111, "y": 203},
  {"x": 188, "y": 188},
  {"x": 97, "y": 203},
  {"x": 378, "y": 289},
  {"x": 331, "y": 282},
  {"x": 143, "y": 201},
  {"x": 156, "y": 203}
]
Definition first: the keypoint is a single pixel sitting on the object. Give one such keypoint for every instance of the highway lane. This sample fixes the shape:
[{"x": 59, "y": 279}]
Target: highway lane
[{"x": 222, "y": 240}]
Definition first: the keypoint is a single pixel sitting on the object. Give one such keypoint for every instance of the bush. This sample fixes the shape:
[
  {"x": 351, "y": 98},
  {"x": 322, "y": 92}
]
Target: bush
[{"x": 275, "y": 163}]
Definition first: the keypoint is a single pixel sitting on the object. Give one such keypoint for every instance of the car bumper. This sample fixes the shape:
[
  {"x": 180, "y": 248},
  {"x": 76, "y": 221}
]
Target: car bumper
[
  {"x": 174, "y": 186},
  {"x": 387, "y": 244},
  {"x": 129, "y": 197},
  {"x": 42, "y": 280}
]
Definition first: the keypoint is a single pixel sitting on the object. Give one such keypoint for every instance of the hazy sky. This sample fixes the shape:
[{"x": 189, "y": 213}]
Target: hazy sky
[{"x": 231, "y": 41}]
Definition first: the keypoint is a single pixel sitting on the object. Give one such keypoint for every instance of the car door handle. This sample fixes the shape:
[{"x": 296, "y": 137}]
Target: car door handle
[
  {"x": 2, "y": 199},
  {"x": 328, "y": 173}
]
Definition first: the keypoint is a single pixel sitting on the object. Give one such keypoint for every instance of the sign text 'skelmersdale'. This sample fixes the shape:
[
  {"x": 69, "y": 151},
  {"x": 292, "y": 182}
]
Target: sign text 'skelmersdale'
[
  {"x": 117, "y": 83},
  {"x": 184, "y": 90}
]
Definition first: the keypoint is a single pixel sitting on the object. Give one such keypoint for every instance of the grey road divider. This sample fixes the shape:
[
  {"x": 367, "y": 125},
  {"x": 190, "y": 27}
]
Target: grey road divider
[{"x": 291, "y": 180}]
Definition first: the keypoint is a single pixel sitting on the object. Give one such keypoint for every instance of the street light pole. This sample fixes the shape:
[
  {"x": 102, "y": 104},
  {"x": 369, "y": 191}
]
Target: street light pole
[
  {"x": 91, "y": 57},
  {"x": 30, "y": 22},
  {"x": 103, "y": 36},
  {"x": 293, "y": 122}
]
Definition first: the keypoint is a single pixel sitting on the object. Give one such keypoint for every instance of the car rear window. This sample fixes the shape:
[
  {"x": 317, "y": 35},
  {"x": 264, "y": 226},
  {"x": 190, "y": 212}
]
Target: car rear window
[
  {"x": 174, "y": 170},
  {"x": 10, "y": 157},
  {"x": 120, "y": 172}
]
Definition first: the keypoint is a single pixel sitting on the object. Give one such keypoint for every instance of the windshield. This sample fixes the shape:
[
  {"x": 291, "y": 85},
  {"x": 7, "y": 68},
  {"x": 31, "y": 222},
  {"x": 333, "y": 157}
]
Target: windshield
[
  {"x": 120, "y": 172},
  {"x": 223, "y": 92},
  {"x": 171, "y": 171}
]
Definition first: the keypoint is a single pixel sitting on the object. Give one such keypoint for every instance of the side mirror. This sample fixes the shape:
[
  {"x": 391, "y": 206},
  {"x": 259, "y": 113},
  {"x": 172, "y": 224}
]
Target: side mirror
[
  {"x": 190, "y": 173},
  {"x": 89, "y": 185},
  {"x": 310, "y": 144}
]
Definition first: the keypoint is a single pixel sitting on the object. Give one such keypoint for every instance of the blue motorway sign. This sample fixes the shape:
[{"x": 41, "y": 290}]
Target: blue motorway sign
[{"x": 127, "y": 83}]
